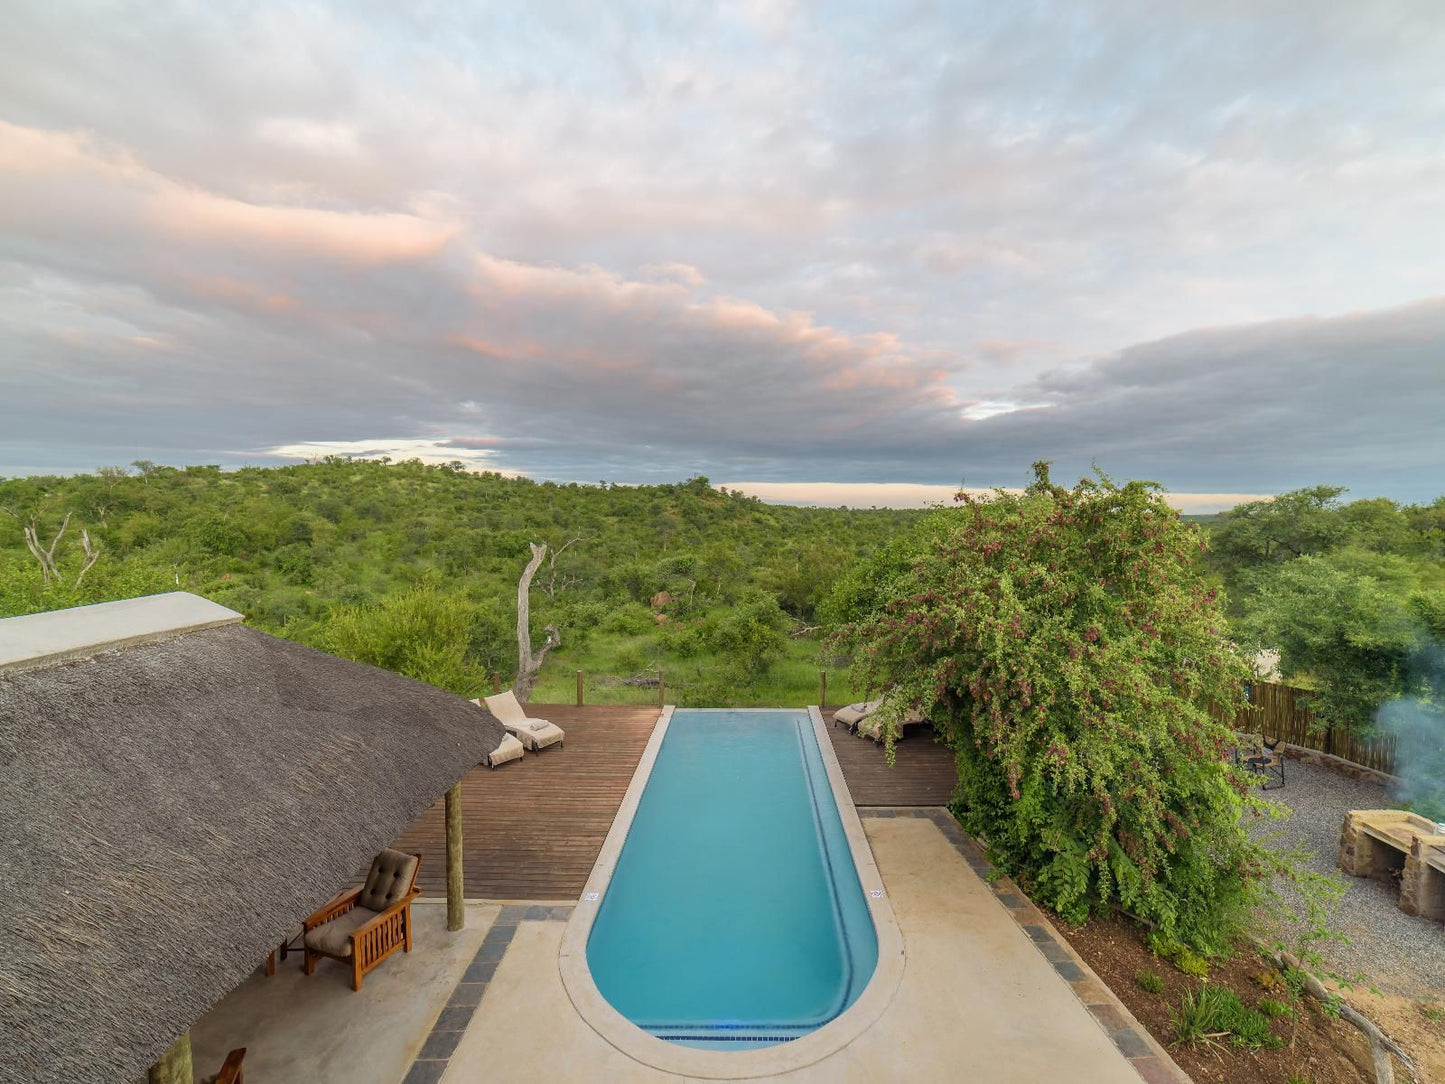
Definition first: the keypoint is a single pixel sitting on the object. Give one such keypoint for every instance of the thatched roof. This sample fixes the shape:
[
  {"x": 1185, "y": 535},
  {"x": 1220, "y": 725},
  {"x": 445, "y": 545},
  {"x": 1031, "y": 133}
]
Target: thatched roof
[{"x": 170, "y": 809}]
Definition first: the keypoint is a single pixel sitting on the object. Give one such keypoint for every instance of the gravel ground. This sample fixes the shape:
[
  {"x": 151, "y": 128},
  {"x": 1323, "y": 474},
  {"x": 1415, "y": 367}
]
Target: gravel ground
[{"x": 1398, "y": 953}]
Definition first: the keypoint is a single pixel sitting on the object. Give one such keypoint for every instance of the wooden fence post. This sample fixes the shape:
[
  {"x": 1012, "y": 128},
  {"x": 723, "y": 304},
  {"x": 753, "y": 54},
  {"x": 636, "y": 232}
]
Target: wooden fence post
[
  {"x": 661, "y": 689},
  {"x": 822, "y": 688},
  {"x": 496, "y": 684},
  {"x": 456, "y": 903},
  {"x": 579, "y": 688}
]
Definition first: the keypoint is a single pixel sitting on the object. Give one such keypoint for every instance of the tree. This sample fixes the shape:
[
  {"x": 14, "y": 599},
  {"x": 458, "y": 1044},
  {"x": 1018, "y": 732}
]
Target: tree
[
  {"x": 748, "y": 635},
  {"x": 529, "y": 664},
  {"x": 44, "y": 554},
  {"x": 1358, "y": 639},
  {"x": 1291, "y": 525},
  {"x": 1067, "y": 648}
]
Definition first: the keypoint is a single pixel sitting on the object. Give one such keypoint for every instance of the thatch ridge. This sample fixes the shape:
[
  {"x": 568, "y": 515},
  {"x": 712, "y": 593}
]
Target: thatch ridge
[{"x": 171, "y": 810}]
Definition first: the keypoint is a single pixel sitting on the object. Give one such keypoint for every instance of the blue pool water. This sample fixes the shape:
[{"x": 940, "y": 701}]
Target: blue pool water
[{"x": 734, "y": 917}]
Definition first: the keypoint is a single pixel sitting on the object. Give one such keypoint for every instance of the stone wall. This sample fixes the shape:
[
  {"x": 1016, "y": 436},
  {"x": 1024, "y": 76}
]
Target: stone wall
[
  {"x": 1342, "y": 766},
  {"x": 1422, "y": 888},
  {"x": 1356, "y": 848}
]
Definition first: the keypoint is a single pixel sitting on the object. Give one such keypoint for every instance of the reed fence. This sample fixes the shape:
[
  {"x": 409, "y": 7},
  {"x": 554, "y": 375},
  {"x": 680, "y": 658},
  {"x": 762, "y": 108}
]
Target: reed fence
[{"x": 1282, "y": 711}]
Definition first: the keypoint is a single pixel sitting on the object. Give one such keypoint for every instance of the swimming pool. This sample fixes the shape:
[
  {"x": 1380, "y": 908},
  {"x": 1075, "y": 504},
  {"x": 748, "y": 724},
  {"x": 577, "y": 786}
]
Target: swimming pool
[
  {"x": 735, "y": 915},
  {"x": 731, "y": 912}
]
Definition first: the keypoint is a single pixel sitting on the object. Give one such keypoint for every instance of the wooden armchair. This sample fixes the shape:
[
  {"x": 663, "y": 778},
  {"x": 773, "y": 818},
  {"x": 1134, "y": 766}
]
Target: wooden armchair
[
  {"x": 1261, "y": 756},
  {"x": 230, "y": 1069},
  {"x": 367, "y": 924}
]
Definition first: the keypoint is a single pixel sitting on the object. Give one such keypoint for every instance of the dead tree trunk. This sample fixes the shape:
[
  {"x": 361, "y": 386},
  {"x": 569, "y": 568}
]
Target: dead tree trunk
[
  {"x": 92, "y": 554},
  {"x": 46, "y": 557},
  {"x": 528, "y": 664}
]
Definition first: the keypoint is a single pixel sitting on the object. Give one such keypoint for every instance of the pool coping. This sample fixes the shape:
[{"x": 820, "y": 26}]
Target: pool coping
[{"x": 805, "y": 1050}]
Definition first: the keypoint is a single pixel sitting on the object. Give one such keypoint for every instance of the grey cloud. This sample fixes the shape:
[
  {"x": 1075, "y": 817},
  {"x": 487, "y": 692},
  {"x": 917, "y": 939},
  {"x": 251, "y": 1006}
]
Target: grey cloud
[{"x": 957, "y": 198}]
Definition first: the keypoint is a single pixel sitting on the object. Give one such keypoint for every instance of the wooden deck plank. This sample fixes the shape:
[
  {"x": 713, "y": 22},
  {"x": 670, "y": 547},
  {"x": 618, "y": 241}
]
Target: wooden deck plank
[{"x": 532, "y": 829}]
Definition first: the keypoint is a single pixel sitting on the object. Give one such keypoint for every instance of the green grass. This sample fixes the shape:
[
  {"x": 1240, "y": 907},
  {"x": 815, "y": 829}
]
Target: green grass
[
  {"x": 695, "y": 681},
  {"x": 1271, "y": 1008},
  {"x": 1215, "y": 1014},
  {"x": 1150, "y": 981}
]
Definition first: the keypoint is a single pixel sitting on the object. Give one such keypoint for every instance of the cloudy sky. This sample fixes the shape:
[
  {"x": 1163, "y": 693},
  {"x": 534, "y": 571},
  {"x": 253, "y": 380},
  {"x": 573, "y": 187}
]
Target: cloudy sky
[{"x": 781, "y": 244}]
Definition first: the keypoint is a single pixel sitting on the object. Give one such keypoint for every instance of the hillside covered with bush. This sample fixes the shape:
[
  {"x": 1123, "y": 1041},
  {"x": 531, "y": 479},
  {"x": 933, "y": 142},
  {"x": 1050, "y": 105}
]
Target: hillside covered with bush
[{"x": 415, "y": 568}]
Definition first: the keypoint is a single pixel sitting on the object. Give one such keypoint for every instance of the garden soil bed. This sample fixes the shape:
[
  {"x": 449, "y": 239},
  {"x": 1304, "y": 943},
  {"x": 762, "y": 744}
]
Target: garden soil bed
[{"x": 1317, "y": 1048}]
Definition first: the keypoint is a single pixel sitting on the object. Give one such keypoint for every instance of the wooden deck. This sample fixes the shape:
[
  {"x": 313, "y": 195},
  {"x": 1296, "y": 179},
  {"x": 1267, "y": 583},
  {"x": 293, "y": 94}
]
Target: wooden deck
[
  {"x": 923, "y": 772},
  {"x": 532, "y": 829}
]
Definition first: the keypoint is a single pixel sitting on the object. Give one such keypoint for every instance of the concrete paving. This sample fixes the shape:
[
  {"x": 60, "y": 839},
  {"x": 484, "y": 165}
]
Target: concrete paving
[
  {"x": 977, "y": 1002},
  {"x": 316, "y": 1028}
]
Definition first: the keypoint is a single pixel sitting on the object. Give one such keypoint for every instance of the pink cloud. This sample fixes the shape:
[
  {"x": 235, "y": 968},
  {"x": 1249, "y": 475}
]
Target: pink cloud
[{"x": 43, "y": 168}]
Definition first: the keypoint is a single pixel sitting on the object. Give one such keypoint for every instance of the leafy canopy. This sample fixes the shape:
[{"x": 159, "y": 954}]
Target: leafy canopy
[{"x": 1069, "y": 649}]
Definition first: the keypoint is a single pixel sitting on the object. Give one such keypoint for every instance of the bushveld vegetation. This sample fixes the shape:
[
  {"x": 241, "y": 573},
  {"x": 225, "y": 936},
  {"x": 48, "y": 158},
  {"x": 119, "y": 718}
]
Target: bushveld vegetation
[
  {"x": 1352, "y": 594},
  {"x": 415, "y": 568}
]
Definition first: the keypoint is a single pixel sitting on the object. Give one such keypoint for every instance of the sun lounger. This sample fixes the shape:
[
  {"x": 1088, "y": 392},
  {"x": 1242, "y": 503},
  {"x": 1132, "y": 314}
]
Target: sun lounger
[
  {"x": 854, "y": 714},
  {"x": 872, "y": 727},
  {"x": 534, "y": 734},
  {"x": 509, "y": 749}
]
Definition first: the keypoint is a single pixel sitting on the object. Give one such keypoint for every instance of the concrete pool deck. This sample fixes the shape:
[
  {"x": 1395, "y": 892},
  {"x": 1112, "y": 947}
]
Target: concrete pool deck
[
  {"x": 985, "y": 995},
  {"x": 316, "y": 1028}
]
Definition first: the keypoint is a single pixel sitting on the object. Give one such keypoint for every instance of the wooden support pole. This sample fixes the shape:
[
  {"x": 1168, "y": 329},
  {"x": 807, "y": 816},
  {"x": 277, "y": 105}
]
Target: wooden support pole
[
  {"x": 174, "y": 1066},
  {"x": 579, "y": 688},
  {"x": 822, "y": 689},
  {"x": 661, "y": 689},
  {"x": 496, "y": 684},
  {"x": 456, "y": 905}
]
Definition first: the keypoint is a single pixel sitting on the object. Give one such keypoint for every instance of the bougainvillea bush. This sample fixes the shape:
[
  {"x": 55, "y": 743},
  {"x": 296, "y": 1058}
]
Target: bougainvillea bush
[{"x": 1065, "y": 643}]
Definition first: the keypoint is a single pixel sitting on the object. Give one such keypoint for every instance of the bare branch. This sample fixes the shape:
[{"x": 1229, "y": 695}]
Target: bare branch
[
  {"x": 50, "y": 553},
  {"x": 33, "y": 545},
  {"x": 552, "y": 569},
  {"x": 92, "y": 554}
]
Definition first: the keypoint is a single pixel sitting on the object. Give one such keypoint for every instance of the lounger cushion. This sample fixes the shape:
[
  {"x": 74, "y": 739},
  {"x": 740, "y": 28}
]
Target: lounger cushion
[
  {"x": 334, "y": 938},
  {"x": 505, "y": 707},
  {"x": 535, "y": 733},
  {"x": 854, "y": 714},
  {"x": 509, "y": 749},
  {"x": 389, "y": 880}
]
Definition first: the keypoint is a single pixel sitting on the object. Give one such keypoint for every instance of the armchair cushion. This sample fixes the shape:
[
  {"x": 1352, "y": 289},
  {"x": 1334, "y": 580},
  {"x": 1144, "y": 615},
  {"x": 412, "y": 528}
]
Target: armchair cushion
[
  {"x": 334, "y": 937},
  {"x": 390, "y": 879}
]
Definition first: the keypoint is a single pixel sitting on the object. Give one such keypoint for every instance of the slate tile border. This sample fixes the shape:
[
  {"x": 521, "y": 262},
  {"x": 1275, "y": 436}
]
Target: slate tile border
[
  {"x": 447, "y": 1032},
  {"x": 1148, "y": 1058}
]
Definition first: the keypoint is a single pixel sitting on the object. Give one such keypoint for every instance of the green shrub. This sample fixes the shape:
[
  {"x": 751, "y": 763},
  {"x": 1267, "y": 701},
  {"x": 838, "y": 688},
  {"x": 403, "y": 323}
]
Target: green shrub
[
  {"x": 1180, "y": 955},
  {"x": 628, "y": 620},
  {"x": 1150, "y": 981},
  {"x": 423, "y": 633},
  {"x": 748, "y": 635},
  {"x": 1212, "y": 1013},
  {"x": 629, "y": 660},
  {"x": 1067, "y": 646}
]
